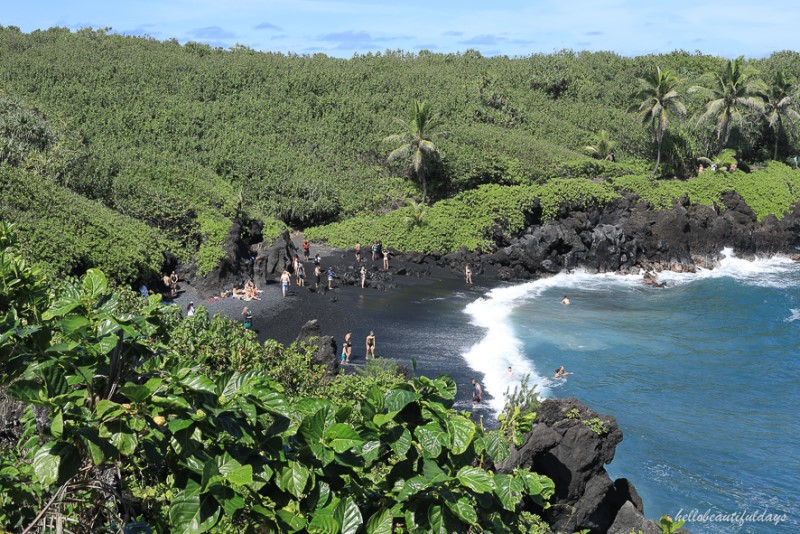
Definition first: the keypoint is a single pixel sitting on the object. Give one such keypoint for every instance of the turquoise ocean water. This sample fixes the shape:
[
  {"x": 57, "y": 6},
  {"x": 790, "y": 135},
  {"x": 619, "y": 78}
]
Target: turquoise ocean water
[{"x": 702, "y": 376}]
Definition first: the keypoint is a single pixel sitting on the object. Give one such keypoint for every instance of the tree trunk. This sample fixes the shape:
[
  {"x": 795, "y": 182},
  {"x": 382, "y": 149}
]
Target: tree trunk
[
  {"x": 658, "y": 158},
  {"x": 775, "y": 155},
  {"x": 424, "y": 187}
]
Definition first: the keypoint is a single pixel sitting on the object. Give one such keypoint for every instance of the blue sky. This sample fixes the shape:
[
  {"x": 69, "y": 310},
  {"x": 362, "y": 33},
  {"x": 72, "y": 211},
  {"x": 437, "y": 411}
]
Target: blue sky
[{"x": 513, "y": 28}]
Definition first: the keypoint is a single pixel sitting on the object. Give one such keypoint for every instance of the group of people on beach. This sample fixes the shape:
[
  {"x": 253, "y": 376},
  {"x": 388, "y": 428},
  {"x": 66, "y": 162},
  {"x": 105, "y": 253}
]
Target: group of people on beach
[{"x": 347, "y": 346}]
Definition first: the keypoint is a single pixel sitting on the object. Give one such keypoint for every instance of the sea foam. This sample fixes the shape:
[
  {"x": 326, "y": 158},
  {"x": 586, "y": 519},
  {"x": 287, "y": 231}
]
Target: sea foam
[{"x": 501, "y": 348}]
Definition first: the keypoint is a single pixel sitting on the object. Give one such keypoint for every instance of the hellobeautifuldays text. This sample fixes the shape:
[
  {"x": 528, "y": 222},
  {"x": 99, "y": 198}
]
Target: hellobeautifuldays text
[{"x": 738, "y": 518}]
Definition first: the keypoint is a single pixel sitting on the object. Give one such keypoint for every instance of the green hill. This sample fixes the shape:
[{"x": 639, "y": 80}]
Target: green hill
[{"x": 162, "y": 145}]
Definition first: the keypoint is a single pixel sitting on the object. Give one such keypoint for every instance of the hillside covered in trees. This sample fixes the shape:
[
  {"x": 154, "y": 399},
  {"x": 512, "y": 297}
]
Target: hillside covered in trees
[{"x": 115, "y": 149}]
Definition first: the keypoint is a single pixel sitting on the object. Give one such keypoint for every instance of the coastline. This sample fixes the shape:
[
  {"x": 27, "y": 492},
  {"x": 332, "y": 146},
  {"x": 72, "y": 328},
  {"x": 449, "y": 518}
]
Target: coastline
[{"x": 416, "y": 311}]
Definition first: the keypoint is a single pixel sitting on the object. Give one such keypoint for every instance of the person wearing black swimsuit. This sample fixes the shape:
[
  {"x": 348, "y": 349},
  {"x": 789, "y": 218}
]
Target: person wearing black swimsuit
[
  {"x": 370, "y": 345},
  {"x": 348, "y": 346}
]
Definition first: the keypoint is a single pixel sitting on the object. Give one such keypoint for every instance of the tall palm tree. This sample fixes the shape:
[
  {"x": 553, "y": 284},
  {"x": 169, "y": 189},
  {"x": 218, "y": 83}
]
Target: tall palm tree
[
  {"x": 417, "y": 142},
  {"x": 659, "y": 97},
  {"x": 728, "y": 94},
  {"x": 780, "y": 106},
  {"x": 603, "y": 147}
]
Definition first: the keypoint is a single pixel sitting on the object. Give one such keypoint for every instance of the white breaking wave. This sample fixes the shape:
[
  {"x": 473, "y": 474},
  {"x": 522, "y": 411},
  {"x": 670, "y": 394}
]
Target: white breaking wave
[
  {"x": 794, "y": 316},
  {"x": 501, "y": 348}
]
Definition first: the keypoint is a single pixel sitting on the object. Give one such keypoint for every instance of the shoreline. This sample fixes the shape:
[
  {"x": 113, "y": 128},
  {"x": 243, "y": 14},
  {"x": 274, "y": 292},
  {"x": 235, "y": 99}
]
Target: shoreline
[{"x": 397, "y": 313}]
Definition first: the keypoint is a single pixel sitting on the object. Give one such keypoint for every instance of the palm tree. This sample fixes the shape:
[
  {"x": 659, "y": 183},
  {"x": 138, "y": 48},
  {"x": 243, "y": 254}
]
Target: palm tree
[
  {"x": 659, "y": 97},
  {"x": 722, "y": 161},
  {"x": 417, "y": 142},
  {"x": 727, "y": 94},
  {"x": 780, "y": 103},
  {"x": 416, "y": 214},
  {"x": 603, "y": 147}
]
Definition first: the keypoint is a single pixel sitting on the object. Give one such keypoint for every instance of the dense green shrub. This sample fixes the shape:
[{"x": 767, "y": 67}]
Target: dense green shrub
[{"x": 135, "y": 423}]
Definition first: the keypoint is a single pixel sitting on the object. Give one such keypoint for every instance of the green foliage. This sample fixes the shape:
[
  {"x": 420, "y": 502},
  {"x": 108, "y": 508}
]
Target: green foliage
[
  {"x": 199, "y": 435},
  {"x": 468, "y": 219},
  {"x": 151, "y": 141},
  {"x": 519, "y": 412},
  {"x": 596, "y": 425},
  {"x": 668, "y": 525},
  {"x": 770, "y": 191}
]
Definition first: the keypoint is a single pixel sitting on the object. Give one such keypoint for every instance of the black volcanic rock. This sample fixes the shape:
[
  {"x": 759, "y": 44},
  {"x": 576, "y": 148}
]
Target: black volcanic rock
[{"x": 571, "y": 443}]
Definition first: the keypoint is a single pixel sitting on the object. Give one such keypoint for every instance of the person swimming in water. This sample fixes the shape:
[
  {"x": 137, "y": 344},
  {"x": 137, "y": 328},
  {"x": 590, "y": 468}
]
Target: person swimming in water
[
  {"x": 561, "y": 373},
  {"x": 565, "y": 300}
]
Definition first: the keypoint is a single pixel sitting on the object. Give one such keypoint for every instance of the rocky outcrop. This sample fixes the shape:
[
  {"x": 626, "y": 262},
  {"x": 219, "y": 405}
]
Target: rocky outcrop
[
  {"x": 325, "y": 351},
  {"x": 571, "y": 443},
  {"x": 245, "y": 257},
  {"x": 627, "y": 235}
]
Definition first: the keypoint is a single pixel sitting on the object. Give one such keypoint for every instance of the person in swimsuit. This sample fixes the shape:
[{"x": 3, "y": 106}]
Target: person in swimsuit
[
  {"x": 561, "y": 373},
  {"x": 385, "y": 260},
  {"x": 565, "y": 300},
  {"x": 358, "y": 252},
  {"x": 318, "y": 275},
  {"x": 331, "y": 274},
  {"x": 301, "y": 275},
  {"x": 363, "y": 276},
  {"x": 306, "y": 249},
  {"x": 173, "y": 284},
  {"x": 374, "y": 250},
  {"x": 468, "y": 273},
  {"x": 286, "y": 280},
  {"x": 371, "y": 341},
  {"x": 347, "y": 348},
  {"x": 248, "y": 318},
  {"x": 477, "y": 391}
]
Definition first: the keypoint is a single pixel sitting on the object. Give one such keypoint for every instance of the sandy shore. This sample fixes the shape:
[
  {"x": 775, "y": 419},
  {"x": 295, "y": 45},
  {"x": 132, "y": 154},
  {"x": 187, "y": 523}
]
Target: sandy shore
[{"x": 418, "y": 322}]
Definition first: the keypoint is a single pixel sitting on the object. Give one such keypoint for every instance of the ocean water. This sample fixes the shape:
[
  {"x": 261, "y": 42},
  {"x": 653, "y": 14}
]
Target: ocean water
[{"x": 703, "y": 377}]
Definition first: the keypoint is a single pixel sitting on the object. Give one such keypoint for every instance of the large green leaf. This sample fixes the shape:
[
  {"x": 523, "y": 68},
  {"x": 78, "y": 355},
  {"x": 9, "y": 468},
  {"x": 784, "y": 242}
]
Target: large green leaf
[
  {"x": 464, "y": 509},
  {"x": 73, "y": 323},
  {"x": 57, "y": 425},
  {"x": 461, "y": 431},
  {"x": 436, "y": 519},
  {"x": 67, "y": 301},
  {"x": 192, "y": 514},
  {"x": 342, "y": 437},
  {"x": 291, "y": 520},
  {"x": 476, "y": 479},
  {"x": 234, "y": 472},
  {"x": 294, "y": 478},
  {"x": 497, "y": 446},
  {"x": 56, "y": 462},
  {"x": 400, "y": 440},
  {"x": 274, "y": 402},
  {"x": 95, "y": 283},
  {"x": 197, "y": 382},
  {"x": 45, "y": 464},
  {"x": 351, "y": 517},
  {"x": 380, "y": 522},
  {"x": 323, "y": 522},
  {"x": 509, "y": 490},
  {"x": 27, "y": 391},
  {"x": 370, "y": 451},
  {"x": 135, "y": 392},
  {"x": 397, "y": 399},
  {"x": 539, "y": 487},
  {"x": 429, "y": 437},
  {"x": 412, "y": 486}
]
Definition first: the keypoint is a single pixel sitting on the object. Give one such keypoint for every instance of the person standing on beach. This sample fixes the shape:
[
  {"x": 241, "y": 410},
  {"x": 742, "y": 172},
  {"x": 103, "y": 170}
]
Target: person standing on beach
[
  {"x": 468, "y": 273},
  {"x": 286, "y": 280},
  {"x": 477, "y": 391},
  {"x": 363, "y": 276},
  {"x": 347, "y": 348},
  {"x": 385, "y": 260},
  {"x": 173, "y": 284},
  {"x": 318, "y": 274},
  {"x": 358, "y": 252},
  {"x": 296, "y": 268},
  {"x": 331, "y": 274},
  {"x": 371, "y": 342},
  {"x": 306, "y": 249},
  {"x": 301, "y": 275},
  {"x": 374, "y": 250},
  {"x": 190, "y": 310},
  {"x": 248, "y": 318}
]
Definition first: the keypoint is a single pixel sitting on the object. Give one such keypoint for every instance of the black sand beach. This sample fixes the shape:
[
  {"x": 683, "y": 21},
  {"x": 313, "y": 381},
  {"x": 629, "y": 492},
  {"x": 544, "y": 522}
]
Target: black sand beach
[{"x": 420, "y": 320}]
